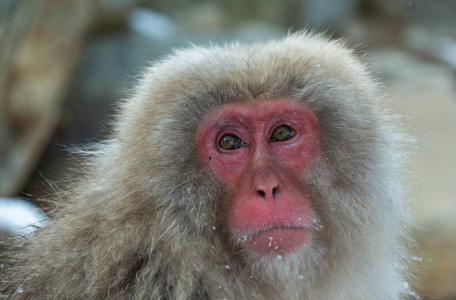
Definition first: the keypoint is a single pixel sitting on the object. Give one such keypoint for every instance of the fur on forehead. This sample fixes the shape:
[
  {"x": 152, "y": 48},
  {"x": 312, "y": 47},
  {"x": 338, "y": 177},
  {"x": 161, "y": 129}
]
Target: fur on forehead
[{"x": 256, "y": 69}]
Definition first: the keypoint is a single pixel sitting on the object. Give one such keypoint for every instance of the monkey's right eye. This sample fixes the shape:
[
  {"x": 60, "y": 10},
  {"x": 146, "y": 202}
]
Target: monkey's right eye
[{"x": 230, "y": 142}]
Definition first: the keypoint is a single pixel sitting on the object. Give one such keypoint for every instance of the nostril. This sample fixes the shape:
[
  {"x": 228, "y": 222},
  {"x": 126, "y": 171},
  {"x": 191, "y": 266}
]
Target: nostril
[
  {"x": 262, "y": 194},
  {"x": 274, "y": 192}
]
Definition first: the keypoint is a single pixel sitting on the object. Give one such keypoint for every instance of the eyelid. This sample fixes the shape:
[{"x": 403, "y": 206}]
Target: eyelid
[
  {"x": 276, "y": 124},
  {"x": 224, "y": 129}
]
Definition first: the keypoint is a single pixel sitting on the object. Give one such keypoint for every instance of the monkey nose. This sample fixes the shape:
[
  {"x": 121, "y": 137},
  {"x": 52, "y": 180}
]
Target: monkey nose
[
  {"x": 265, "y": 181},
  {"x": 267, "y": 191}
]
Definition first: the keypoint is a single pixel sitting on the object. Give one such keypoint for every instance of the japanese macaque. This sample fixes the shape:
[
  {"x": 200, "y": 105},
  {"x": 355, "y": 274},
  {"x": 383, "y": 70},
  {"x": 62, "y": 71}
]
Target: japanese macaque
[{"x": 264, "y": 171}]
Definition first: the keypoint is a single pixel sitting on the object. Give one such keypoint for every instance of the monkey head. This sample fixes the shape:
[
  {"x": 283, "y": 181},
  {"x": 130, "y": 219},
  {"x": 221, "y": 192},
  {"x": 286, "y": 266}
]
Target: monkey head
[{"x": 265, "y": 171}]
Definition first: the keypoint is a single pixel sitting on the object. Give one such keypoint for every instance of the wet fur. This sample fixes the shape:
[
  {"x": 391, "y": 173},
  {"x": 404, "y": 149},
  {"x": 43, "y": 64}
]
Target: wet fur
[{"x": 145, "y": 222}]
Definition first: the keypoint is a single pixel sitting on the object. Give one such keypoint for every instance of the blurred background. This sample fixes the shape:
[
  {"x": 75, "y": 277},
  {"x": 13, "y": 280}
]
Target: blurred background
[{"x": 65, "y": 64}]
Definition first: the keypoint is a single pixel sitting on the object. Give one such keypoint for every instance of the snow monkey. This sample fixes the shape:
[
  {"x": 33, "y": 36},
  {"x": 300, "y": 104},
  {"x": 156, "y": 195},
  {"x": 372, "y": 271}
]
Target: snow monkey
[{"x": 265, "y": 171}]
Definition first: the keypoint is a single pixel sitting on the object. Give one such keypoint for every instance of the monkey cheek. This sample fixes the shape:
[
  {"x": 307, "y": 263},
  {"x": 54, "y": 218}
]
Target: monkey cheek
[{"x": 279, "y": 241}]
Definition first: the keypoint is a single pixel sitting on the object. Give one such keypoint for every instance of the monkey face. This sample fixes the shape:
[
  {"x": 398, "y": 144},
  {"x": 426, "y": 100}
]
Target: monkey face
[{"x": 259, "y": 152}]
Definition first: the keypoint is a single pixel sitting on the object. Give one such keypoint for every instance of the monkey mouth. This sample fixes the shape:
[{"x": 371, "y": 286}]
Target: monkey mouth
[
  {"x": 278, "y": 240},
  {"x": 270, "y": 229}
]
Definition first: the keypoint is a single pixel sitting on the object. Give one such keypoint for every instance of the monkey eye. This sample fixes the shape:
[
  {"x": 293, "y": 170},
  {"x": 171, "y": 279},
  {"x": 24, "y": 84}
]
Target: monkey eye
[
  {"x": 282, "y": 133},
  {"x": 230, "y": 142}
]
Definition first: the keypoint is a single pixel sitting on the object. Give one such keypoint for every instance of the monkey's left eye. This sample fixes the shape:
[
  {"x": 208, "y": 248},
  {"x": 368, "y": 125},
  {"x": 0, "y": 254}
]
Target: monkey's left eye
[
  {"x": 230, "y": 142},
  {"x": 282, "y": 133}
]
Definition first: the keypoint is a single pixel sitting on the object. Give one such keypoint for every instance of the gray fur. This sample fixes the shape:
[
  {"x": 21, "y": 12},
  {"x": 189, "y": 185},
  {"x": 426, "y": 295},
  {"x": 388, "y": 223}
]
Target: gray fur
[{"x": 139, "y": 223}]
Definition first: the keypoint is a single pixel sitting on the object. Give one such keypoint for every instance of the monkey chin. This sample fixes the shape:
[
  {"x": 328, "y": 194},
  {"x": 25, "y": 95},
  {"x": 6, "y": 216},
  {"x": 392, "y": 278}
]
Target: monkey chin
[{"x": 278, "y": 241}]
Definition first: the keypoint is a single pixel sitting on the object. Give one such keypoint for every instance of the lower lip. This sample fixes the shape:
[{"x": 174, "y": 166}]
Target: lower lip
[{"x": 279, "y": 241}]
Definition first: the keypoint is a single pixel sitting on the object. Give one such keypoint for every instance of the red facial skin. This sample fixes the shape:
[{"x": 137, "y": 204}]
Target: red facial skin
[{"x": 268, "y": 207}]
